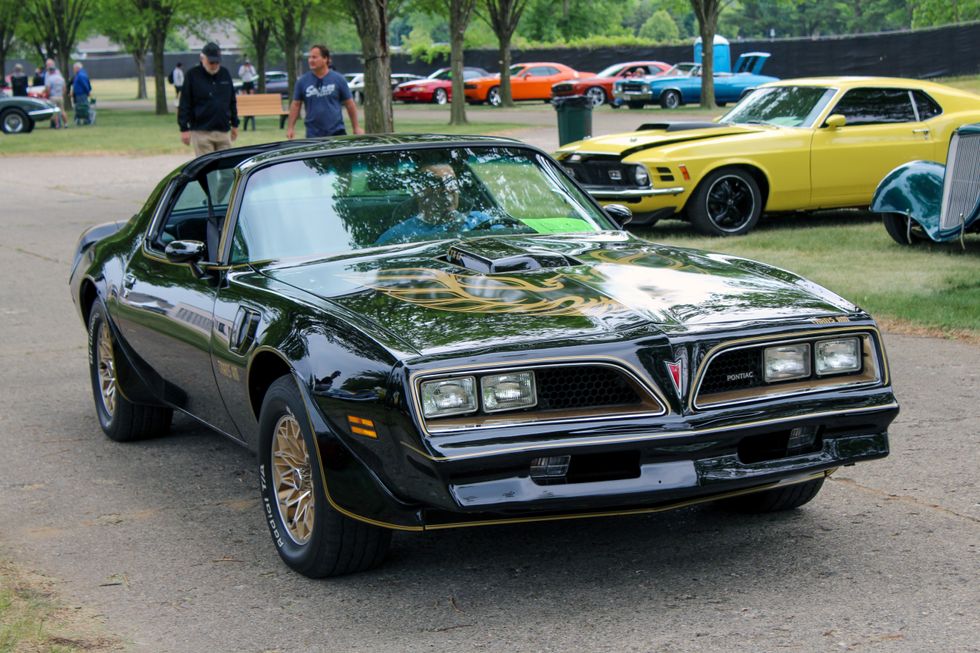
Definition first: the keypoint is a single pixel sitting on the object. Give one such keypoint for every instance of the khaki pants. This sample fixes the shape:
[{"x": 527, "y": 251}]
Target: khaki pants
[{"x": 204, "y": 142}]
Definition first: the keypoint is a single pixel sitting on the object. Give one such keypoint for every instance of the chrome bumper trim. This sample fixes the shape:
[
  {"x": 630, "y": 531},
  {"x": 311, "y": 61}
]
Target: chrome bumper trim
[
  {"x": 645, "y": 437},
  {"x": 42, "y": 112},
  {"x": 638, "y": 192}
]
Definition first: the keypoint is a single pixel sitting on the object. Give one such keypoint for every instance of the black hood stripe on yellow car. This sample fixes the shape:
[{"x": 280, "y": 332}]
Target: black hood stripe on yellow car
[{"x": 652, "y": 146}]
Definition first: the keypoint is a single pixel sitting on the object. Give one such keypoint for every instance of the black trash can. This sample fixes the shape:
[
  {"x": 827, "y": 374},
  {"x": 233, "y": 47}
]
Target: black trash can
[{"x": 574, "y": 118}]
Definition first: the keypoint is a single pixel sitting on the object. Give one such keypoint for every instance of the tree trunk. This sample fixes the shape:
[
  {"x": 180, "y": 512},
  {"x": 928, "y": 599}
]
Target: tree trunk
[
  {"x": 459, "y": 17},
  {"x": 260, "y": 41},
  {"x": 139, "y": 58},
  {"x": 159, "y": 40},
  {"x": 371, "y": 19},
  {"x": 506, "y": 97},
  {"x": 708, "y": 66}
]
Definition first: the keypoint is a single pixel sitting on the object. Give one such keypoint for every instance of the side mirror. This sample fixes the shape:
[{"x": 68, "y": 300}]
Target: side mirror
[
  {"x": 835, "y": 121},
  {"x": 619, "y": 214},
  {"x": 185, "y": 251}
]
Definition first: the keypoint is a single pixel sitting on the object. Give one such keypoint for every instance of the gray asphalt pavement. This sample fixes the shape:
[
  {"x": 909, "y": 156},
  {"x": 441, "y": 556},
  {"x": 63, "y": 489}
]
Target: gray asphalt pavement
[{"x": 166, "y": 541}]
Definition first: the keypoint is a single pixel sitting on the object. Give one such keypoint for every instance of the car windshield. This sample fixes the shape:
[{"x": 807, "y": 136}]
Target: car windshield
[
  {"x": 442, "y": 73},
  {"x": 682, "y": 70},
  {"x": 337, "y": 204},
  {"x": 514, "y": 70},
  {"x": 611, "y": 70},
  {"x": 785, "y": 106}
]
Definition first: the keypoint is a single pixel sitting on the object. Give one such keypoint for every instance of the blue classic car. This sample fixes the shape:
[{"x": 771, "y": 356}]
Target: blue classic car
[
  {"x": 684, "y": 87},
  {"x": 925, "y": 200}
]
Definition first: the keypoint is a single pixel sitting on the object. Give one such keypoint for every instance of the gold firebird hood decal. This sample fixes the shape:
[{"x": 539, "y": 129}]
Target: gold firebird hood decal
[{"x": 459, "y": 293}]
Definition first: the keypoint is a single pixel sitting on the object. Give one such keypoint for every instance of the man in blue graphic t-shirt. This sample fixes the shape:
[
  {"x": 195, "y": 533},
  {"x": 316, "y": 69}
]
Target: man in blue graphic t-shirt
[{"x": 322, "y": 91}]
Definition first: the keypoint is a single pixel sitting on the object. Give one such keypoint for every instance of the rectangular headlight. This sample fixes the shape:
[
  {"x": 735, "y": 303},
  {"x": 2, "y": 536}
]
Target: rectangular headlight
[
  {"x": 449, "y": 397},
  {"x": 838, "y": 356},
  {"x": 787, "y": 362},
  {"x": 508, "y": 391}
]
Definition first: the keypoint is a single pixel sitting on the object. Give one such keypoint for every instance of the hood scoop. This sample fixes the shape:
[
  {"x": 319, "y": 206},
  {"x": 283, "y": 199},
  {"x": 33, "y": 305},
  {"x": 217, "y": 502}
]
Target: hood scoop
[
  {"x": 496, "y": 257},
  {"x": 677, "y": 126}
]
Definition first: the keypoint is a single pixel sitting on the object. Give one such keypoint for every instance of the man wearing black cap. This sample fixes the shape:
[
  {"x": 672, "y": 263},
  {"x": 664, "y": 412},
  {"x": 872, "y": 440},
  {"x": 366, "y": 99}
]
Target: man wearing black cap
[{"x": 208, "y": 114}]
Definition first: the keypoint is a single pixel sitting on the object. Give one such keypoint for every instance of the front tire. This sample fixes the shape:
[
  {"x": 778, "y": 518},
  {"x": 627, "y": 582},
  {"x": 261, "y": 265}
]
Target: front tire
[
  {"x": 440, "y": 96},
  {"x": 727, "y": 202},
  {"x": 670, "y": 100},
  {"x": 120, "y": 419},
  {"x": 493, "y": 97},
  {"x": 635, "y": 105},
  {"x": 14, "y": 121},
  {"x": 312, "y": 537},
  {"x": 776, "y": 499},
  {"x": 597, "y": 95},
  {"x": 902, "y": 232}
]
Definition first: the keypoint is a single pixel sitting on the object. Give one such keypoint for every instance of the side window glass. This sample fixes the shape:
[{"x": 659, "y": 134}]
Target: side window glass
[
  {"x": 872, "y": 106},
  {"x": 928, "y": 108},
  {"x": 537, "y": 71},
  {"x": 551, "y": 71},
  {"x": 188, "y": 215}
]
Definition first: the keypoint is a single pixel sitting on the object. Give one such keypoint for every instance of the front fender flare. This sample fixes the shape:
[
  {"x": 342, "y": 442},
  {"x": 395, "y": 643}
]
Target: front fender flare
[{"x": 914, "y": 189}]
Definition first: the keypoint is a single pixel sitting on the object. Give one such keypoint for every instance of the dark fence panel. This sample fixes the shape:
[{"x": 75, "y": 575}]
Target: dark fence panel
[{"x": 939, "y": 52}]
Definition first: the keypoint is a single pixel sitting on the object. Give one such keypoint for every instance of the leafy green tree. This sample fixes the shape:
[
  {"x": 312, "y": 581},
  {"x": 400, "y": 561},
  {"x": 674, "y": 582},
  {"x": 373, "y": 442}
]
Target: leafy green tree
[
  {"x": 10, "y": 11},
  {"x": 256, "y": 28},
  {"x": 503, "y": 17},
  {"x": 116, "y": 20},
  {"x": 929, "y": 13},
  {"x": 707, "y": 13},
  {"x": 289, "y": 28},
  {"x": 573, "y": 19},
  {"x": 58, "y": 24},
  {"x": 660, "y": 27}
]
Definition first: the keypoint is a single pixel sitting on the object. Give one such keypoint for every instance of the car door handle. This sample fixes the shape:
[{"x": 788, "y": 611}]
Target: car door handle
[
  {"x": 243, "y": 330},
  {"x": 921, "y": 130}
]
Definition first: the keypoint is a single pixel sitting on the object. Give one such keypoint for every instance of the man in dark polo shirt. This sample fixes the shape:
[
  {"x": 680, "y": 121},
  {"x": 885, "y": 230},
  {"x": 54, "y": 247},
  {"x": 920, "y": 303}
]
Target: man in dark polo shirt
[
  {"x": 208, "y": 114},
  {"x": 322, "y": 91}
]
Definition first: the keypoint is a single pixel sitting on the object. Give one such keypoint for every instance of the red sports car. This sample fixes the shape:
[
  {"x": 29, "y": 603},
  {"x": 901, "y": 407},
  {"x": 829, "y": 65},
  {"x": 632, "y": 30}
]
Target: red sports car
[
  {"x": 600, "y": 87},
  {"x": 437, "y": 87}
]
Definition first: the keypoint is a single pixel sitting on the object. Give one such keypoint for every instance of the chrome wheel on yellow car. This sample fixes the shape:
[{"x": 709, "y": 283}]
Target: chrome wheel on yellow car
[
  {"x": 121, "y": 419},
  {"x": 312, "y": 536}
]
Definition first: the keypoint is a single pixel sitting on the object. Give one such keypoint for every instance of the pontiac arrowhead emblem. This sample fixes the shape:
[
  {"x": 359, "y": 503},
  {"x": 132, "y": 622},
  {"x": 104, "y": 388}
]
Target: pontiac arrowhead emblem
[{"x": 676, "y": 369}]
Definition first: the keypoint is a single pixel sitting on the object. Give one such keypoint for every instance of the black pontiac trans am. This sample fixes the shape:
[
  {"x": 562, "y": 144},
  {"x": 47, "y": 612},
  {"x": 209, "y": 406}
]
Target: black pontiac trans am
[{"x": 424, "y": 332}]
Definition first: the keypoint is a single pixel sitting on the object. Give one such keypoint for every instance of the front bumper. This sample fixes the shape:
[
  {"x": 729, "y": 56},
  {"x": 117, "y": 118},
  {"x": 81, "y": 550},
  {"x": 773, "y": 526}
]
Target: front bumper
[{"x": 626, "y": 469}]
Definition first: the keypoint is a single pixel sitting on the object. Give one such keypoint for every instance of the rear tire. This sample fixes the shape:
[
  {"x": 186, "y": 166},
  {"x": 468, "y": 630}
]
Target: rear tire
[
  {"x": 775, "y": 500},
  {"x": 311, "y": 536},
  {"x": 120, "y": 419},
  {"x": 897, "y": 227}
]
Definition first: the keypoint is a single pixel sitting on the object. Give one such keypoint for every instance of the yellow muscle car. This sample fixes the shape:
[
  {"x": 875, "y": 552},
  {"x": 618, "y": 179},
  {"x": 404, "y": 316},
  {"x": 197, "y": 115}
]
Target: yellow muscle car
[{"x": 797, "y": 144}]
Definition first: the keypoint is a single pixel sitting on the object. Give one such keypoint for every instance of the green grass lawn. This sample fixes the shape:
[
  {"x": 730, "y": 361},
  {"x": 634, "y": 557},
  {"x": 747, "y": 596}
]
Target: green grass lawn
[
  {"x": 934, "y": 286},
  {"x": 120, "y": 131}
]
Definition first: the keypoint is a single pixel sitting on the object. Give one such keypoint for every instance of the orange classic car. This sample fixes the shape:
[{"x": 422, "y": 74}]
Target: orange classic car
[{"x": 528, "y": 81}]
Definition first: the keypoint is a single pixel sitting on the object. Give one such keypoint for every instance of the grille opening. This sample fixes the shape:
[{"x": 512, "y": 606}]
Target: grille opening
[
  {"x": 591, "y": 468},
  {"x": 562, "y": 388},
  {"x": 734, "y": 370},
  {"x": 773, "y": 446}
]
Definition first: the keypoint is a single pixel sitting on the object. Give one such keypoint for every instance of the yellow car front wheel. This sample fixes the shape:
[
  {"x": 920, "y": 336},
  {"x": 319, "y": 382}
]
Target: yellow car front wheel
[{"x": 727, "y": 202}]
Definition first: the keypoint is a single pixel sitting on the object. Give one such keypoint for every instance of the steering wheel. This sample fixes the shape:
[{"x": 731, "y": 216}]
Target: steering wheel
[{"x": 498, "y": 219}]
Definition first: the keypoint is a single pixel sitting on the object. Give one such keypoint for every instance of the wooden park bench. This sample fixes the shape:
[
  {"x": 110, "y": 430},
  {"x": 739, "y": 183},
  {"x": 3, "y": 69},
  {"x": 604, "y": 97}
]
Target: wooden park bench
[{"x": 262, "y": 104}]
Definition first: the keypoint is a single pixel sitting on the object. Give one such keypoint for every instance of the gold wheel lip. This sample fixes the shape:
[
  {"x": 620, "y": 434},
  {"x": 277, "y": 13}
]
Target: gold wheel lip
[
  {"x": 293, "y": 479},
  {"x": 106, "y": 369}
]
